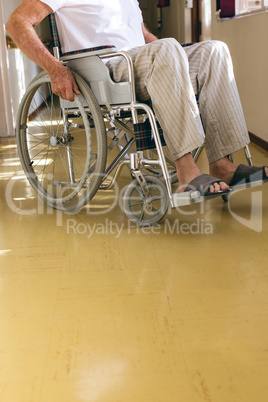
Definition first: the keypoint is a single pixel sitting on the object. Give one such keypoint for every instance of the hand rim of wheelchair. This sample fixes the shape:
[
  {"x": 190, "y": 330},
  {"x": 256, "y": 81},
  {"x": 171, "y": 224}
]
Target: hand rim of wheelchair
[{"x": 73, "y": 201}]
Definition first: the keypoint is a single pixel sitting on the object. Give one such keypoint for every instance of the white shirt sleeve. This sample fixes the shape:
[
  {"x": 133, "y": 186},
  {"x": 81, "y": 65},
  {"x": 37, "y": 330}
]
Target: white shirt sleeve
[{"x": 55, "y": 4}]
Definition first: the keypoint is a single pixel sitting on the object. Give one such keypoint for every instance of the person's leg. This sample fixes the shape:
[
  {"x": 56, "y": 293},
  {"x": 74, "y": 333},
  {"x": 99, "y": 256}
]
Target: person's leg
[
  {"x": 212, "y": 77},
  {"x": 162, "y": 75},
  {"x": 188, "y": 171},
  {"x": 225, "y": 169}
]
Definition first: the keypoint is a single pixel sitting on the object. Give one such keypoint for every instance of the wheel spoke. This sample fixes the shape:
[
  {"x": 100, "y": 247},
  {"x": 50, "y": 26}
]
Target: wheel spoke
[
  {"x": 158, "y": 202},
  {"x": 136, "y": 203},
  {"x": 45, "y": 161}
]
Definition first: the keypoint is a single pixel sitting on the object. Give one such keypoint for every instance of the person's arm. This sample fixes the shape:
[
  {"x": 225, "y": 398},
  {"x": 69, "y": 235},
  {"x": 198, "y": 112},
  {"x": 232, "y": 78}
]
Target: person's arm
[
  {"x": 20, "y": 27},
  {"x": 148, "y": 36}
]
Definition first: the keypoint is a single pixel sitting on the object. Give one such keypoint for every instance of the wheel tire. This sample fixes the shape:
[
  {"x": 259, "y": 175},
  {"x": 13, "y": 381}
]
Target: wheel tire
[
  {"x": 134, "y": 202},
  {"x": 64, "y": 162}
]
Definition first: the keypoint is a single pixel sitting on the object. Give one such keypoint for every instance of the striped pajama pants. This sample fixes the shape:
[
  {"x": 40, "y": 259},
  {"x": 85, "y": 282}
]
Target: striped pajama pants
[{"x": 170, "y": 76}]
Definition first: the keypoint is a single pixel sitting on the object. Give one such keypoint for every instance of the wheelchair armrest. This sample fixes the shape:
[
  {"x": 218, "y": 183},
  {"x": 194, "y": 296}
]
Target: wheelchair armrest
[
  {"x": 94, "y": 51},
  {"x": 104, "y": 52},
  {"x": 131, "y": 76}
]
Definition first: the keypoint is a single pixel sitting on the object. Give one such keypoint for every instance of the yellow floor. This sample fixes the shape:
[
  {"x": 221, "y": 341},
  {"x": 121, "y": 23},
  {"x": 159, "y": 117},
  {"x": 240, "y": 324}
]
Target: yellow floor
[{"x": 95, "y": 310}]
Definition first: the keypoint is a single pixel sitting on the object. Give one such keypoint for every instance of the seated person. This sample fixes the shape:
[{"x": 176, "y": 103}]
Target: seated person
[{"x": 165, "y": 72}]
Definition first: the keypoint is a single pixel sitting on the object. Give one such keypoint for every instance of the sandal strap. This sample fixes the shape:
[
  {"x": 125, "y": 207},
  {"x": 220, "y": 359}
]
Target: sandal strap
[
  {"x": 202, "y": 183},
  {"x": 248, "y": 174}
]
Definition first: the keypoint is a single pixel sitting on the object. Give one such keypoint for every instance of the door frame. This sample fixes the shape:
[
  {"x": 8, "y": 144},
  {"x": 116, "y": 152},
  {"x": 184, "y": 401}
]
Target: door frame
[{"x": 8, "y": 128}]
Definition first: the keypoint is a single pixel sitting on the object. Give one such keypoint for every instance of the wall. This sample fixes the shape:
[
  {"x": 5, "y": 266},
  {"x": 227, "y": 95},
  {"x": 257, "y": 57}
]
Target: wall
[
  {"x": 247, "y": 41},
  {"x": 149, "y": 14},
  {"x": 175, "y": 20},
  {"x": 173, "y": 23}
]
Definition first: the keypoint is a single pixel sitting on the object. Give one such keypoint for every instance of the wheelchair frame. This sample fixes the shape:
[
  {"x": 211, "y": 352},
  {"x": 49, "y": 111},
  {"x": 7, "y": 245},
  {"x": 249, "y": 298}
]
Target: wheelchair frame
[{"x": 111, "y": 100}]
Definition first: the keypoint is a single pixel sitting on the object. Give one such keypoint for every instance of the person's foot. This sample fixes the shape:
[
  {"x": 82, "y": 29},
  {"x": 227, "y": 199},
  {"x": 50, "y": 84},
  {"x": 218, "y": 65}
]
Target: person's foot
[
  {"x": 187, "y": 171},
  {"x": 225, "y": 169}
]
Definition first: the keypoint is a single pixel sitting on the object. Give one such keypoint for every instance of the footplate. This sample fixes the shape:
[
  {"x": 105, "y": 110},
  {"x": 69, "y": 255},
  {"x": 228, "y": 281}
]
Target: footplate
[{"x": 194, "y": 197}]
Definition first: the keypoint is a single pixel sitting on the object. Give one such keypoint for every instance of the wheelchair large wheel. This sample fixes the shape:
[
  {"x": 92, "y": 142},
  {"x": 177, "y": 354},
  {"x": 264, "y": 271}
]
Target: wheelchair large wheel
[
  {"x": 142, "y": 210},
  {"x": 62, "y": 145}
]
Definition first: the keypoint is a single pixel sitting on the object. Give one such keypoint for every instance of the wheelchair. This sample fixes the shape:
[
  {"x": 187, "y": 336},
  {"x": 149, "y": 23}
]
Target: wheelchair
[{"x": 63, "y": 145}]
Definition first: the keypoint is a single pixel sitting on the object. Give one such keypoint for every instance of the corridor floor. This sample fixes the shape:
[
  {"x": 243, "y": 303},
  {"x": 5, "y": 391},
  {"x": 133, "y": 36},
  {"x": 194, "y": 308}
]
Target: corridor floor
[{"x": 94, "y": 309}]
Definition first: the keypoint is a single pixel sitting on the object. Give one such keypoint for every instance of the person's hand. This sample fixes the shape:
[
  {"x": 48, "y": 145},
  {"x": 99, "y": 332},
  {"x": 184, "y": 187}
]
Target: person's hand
[{"x": 63, "y": 83}]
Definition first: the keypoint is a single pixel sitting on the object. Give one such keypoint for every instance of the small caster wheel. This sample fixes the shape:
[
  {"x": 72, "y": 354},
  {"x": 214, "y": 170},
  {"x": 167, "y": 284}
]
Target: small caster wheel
[{"x": 142, "y": 210}]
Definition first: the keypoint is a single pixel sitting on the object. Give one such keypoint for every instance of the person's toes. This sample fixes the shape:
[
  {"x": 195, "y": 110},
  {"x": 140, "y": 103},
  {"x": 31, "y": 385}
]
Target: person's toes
[
  {"x": 214, "y": 188},
  {"x": 224, "y": 186},
  {"x": 217, "y": 187}
]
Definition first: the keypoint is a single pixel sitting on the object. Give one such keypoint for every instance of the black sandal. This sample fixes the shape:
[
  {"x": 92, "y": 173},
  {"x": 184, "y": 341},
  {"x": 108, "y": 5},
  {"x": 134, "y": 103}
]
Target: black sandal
[
  {"x": 202, "y": 184},
  {"x": 247, "y": 174}
]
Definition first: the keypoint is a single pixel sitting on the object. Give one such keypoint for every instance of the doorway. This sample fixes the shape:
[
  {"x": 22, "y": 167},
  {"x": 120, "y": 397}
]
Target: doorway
[{"x": 201, "y": 20}]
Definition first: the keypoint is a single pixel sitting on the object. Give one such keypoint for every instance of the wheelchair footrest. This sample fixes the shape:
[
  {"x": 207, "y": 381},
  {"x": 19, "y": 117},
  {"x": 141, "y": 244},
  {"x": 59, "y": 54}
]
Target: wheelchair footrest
[{"x": 193, "y": 197}]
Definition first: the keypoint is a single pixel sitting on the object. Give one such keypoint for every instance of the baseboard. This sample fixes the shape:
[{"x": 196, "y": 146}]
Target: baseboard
[{"x": 258, "y": 141}]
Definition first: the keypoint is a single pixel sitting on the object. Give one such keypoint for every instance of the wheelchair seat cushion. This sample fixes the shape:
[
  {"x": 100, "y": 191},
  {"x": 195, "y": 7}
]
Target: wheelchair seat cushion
[{"x": 92, "y": 49}]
